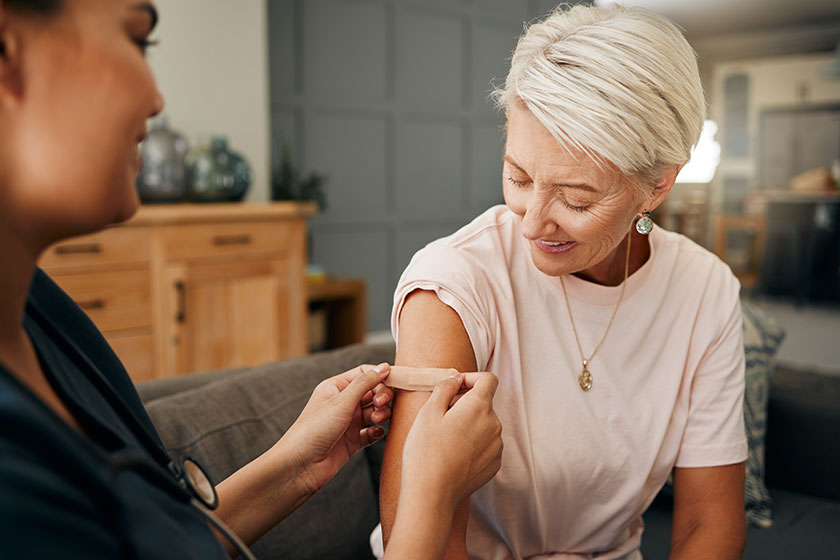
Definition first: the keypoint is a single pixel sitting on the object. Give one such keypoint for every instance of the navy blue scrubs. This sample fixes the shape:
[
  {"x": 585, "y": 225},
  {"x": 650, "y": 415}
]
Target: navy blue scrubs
[{"x": 65, "y": 495}]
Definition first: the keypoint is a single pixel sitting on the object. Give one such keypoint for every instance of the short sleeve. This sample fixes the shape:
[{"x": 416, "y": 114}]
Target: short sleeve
[
  {"x": 459, "y": 282},
  {"x": 715, "y": 434}
]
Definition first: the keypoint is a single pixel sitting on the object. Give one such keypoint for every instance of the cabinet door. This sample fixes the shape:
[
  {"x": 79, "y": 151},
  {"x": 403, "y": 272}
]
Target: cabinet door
[{"x": 229, "y": 314}]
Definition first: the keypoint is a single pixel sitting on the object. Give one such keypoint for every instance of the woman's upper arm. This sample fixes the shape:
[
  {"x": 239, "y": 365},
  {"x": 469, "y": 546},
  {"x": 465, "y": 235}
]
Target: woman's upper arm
[{"x": 431, "y": 334}]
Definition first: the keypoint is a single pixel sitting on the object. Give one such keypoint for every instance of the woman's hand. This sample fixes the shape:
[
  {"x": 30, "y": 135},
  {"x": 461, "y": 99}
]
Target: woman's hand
[
  {"x": 336, "y": 423},
  {"x": 455, "y": 444}
]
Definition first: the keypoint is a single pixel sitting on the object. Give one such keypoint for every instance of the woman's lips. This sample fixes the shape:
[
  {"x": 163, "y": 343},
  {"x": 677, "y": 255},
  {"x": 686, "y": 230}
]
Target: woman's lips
[{"x": 555, "y": 247}]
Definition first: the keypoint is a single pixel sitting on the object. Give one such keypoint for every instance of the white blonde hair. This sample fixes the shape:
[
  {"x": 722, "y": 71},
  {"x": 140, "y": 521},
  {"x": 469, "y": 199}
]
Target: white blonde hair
[{"x": 619, "y": 84}]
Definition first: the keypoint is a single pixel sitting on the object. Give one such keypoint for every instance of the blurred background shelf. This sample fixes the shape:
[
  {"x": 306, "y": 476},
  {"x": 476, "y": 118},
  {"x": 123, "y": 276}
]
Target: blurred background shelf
[{"x": 337, "y": 312}]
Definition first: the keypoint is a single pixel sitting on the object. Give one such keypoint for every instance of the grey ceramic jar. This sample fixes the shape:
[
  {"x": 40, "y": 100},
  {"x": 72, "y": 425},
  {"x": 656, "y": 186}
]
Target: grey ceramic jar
[
  {"x": 217, "y": 174},
  {"x": 163, "y": 174}
]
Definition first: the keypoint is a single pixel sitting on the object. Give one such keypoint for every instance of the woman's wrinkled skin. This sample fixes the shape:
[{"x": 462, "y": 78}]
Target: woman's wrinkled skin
[{"x": 562, "y": 195}]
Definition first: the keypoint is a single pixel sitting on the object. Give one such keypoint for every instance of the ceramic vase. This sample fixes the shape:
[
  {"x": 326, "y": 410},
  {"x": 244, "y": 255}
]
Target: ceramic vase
[
  {"x": 217, "y": 174},
  {"x": 163, "y": 171}
]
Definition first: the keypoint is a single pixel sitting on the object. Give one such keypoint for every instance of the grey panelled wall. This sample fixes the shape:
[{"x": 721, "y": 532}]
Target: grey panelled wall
[{"x": 390, "y": 99}]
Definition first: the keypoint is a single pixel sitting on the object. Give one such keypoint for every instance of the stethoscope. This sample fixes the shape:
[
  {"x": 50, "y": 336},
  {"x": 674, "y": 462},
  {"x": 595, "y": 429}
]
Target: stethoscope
[
  {"x": 183, "y": 479},
  {"x": 188, "y": 482}
]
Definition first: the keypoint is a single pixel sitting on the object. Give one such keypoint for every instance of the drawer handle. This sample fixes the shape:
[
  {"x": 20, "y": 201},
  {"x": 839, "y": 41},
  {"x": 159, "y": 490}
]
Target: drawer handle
[
  {"x": 181, "y": 312},
  {"x": 232, "y": 240},
  {"x": 89, "y": 248},
  {"x": 92, "y": 304}
]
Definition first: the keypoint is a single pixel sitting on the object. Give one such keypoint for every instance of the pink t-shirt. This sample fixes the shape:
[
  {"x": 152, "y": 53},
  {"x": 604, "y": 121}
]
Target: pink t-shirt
[{"x": 580, "y": 468}]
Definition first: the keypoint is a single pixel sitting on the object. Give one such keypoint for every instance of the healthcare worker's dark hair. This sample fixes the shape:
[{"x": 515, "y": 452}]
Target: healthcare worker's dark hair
[
  {"x": 42, "y": 8},
  {"x": 39, "y": 7}
]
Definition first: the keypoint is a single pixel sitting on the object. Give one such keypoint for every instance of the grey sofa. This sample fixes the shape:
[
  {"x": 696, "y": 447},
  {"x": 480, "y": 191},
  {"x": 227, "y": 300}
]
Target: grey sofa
[
  {"x": 802, "y": 474},
  {"x": 224, "y": 419}
]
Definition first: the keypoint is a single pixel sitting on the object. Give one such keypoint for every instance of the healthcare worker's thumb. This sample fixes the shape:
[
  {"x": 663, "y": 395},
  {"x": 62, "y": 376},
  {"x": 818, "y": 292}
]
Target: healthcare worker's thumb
[
  {"x": 444, "y": 392},
  {"x": 369, "y": 378}
]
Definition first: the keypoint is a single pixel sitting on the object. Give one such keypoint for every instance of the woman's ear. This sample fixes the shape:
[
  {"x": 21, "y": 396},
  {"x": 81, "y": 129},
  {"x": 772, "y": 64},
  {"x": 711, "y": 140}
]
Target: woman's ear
[{"x": 663, "y": 186}]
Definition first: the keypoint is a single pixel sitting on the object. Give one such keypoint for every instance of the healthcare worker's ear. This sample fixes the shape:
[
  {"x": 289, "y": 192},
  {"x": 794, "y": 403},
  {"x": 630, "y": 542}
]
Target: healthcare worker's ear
[{"x": 10, "y": 75}]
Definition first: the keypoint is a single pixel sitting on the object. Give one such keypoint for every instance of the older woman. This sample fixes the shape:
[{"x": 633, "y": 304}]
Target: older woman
[
  {"x": 83, "y": 474},
  {"x": 617, "y": 344}
]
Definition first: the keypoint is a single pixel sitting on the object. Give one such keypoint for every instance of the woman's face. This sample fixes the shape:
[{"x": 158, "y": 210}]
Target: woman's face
[
  {"x": 74, "y": 98},
  {"x": 573, "y": 214}
]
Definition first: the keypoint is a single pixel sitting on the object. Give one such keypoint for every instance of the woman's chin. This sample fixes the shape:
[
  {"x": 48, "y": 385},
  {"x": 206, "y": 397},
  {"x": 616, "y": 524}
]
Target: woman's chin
[{"x": 550, "y": 265}]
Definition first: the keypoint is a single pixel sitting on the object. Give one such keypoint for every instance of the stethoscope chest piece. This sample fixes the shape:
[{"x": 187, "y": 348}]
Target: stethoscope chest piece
[{"x": 197, "y": 483}]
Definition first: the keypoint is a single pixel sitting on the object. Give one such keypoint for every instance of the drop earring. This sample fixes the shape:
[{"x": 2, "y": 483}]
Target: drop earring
[{"x": 645, "y": 224}]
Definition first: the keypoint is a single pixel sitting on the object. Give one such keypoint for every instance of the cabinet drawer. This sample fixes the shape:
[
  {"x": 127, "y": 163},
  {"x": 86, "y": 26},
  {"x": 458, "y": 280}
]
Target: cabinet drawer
[
  {"x": 135, "y": 352},
  {"x": 113, "y": 300},
  {"x": 186, "y": 242},
  {"x": 111, "y": 246}
]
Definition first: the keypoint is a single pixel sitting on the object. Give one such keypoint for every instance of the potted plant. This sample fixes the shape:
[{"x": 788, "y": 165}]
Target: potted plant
[{"x": 289, "y": 183}]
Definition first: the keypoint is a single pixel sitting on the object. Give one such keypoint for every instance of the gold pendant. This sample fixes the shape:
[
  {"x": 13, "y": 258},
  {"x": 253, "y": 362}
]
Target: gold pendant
[{"x": 585, "y": 379}]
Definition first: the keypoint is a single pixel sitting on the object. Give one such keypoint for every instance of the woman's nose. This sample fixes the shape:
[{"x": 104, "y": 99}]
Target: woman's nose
[{"x": 537, "y": 222}]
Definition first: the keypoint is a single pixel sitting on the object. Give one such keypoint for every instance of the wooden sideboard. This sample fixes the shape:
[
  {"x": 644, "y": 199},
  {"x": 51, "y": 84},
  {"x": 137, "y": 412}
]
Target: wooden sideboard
[{"x": 184, "y": 288}]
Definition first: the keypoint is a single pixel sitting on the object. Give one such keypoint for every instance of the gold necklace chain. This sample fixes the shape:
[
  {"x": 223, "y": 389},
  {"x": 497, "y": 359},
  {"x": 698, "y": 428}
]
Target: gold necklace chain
[{"x": 585, "y": 379}]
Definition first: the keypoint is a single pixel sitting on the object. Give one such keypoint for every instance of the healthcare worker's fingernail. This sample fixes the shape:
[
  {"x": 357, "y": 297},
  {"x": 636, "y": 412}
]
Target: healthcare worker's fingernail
[
  {"x": 377, "y": 432},
  {"x": 381, "y": 368}
]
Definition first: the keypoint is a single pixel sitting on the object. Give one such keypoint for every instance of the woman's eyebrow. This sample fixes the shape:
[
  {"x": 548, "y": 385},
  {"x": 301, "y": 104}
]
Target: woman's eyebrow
[
  {"x": 150, "y": 9},
  {"x": 581, "y": 186},
  {"x": 509, "y": 159},
  {"x": 578, "y": 185}
]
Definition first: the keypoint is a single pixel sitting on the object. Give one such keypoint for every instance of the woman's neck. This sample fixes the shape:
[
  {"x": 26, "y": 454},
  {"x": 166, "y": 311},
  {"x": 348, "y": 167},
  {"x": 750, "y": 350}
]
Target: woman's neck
[{"x": 611, "y": 270}]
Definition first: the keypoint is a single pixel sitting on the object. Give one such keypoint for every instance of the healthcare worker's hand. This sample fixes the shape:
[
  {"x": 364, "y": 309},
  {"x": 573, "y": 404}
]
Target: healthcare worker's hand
[
  {"x": 342, "y": 416},
  {"x": 455, "y": 444},
  {"x": 453, "y": 448}
]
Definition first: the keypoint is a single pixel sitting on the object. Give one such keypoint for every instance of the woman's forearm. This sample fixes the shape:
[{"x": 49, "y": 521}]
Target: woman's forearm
[
  {"x": 708, "y": 518},
  {"x": 709, "y": 541}
]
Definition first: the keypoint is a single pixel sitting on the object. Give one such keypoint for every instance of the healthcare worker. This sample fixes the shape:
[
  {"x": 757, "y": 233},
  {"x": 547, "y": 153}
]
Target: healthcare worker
[{"x": 83, "y": 473}]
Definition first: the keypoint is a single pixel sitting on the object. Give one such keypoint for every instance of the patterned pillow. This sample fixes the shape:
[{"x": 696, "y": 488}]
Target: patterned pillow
[{"x": 762, "y": 336}]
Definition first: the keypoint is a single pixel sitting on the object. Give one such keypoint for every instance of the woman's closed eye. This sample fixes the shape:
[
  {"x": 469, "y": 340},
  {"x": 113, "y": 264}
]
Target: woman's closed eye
[
  {"x": 525, "y": 183},
  {"x": 518, "y": 183},
  {"x": 574, "y": 207}
]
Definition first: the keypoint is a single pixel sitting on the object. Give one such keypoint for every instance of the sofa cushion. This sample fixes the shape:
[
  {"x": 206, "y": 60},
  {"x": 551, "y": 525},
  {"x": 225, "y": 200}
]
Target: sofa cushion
[
  {"x": 762, "y": 336},
  {"x": 803, "y": 527},
  {"x": 803, "y": 454},
  {"x": 230, "y": 421},
  {"x": 157, "y": 388}
]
